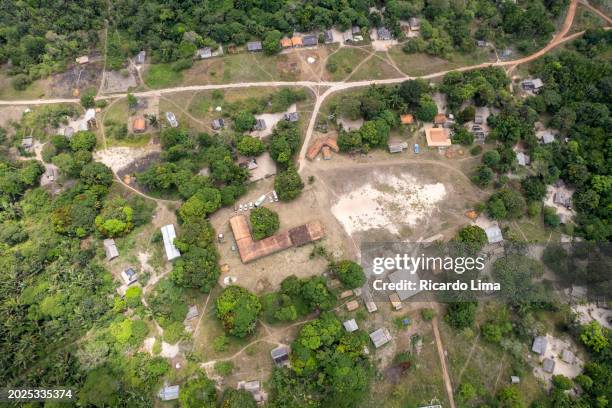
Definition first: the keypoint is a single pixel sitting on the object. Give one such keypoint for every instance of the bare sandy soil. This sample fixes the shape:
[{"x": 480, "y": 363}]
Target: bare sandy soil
[
  {"x": 120, "y": 157},
  {"x": 387, "y": 201}
]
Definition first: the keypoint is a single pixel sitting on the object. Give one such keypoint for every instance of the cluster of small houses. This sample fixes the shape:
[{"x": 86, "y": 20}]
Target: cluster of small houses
[{"x": 129, "y": 275}]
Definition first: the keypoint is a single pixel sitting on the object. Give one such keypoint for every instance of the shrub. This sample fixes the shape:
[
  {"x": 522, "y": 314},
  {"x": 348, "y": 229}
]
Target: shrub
[
  {"x": 264, "y": 222},
  {"x": 224, "y": 368},
  {"x": 350, "y": 273},
  {"x": 428, "y": 314},
  {"x": 288, "y": 184}
]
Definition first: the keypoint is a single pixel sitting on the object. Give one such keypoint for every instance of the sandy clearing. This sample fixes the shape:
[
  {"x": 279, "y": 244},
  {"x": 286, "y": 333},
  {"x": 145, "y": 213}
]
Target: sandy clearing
[
  {"x": 387, "y": 202},
  {"x": 271, "y": 120},
  {"x": 121, "y": 156}
]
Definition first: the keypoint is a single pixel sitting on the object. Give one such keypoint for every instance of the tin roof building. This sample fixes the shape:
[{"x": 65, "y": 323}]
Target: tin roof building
[{"x": 168, "y": 235}]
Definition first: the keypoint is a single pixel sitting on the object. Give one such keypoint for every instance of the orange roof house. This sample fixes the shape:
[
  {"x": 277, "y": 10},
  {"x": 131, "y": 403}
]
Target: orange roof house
[
  {"x": 286, "y": 43},
  {"x": 251, "y": 250},
  {"x": 440, "y": 119},
  {"x": 296, "y": 42},
  {"x": 407, "y": 119},
  {"x": 139, "y": 125},
  {"x": 438, "y": 137},
  {"x": 316, "y": 147}
]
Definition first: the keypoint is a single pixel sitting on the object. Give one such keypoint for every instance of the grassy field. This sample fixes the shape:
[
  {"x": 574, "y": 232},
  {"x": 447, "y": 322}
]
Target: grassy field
[
  {"x": 586, "y": 19},
  {"x": 162, "y": 76},
  {"x": 420, "y": 385},
  {"x": 484, "y": 365},
  {"x": 375, "y": 68},
  {"x": 423, "y": 64},
  {"x": 36, "y": 89},
  {"x": 345, "y": 60}
]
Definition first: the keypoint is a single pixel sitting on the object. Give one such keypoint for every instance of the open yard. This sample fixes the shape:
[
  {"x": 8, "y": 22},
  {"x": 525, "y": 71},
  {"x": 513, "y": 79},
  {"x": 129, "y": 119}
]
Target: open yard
[{"x": 423, "y": 64}]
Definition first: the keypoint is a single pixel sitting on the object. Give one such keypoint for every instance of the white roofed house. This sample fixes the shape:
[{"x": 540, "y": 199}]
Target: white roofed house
[
  {"x": 254, "y": 46},
  {"x": 129, "y": 276},
  {"x": 350, "y": 325},
  {"x": 494, "y": 234},
  {"x": 110, "y": 249},
  {"x": 522, "y": 159},
  {"x": 27, "y": 143},
  {"x": 380, "y": 337},
  {"x": 168, "y": 235},
  {"x": 204, "y": 53},
  {"x": 140, "y": 58},
  {"x": 169, "y": 393}
]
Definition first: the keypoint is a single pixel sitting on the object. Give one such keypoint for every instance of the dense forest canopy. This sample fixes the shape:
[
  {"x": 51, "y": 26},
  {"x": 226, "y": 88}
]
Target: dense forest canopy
[{"x": 42, "y": 37}]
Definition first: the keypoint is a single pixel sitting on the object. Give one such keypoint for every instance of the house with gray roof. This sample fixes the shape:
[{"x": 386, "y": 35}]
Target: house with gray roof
[
  {"x": 280, "y": 355},
  {"x": 110, "y": 249},
  {"x": 291, "y": 116},
  {"x": 383, "y": 34},
  {"x": 260, "y": 124},
  {"x": 218, "y": 124},
  {"x": 540, "y": 344},
  {"x": 415, "y": 23},
  {"x": 548, "y": 365},
  {"x": 254, "y": 46},
  {"x": 401, "y": 276},
  {"x": 310, "y": 40},
  {"x": 380, "y": 337},
  {"x": 328, "y": 36}
]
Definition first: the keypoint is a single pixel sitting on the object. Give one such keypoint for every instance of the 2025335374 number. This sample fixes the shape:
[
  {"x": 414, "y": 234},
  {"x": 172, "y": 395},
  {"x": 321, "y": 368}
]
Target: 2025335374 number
[{"x": 36, "y": 394}]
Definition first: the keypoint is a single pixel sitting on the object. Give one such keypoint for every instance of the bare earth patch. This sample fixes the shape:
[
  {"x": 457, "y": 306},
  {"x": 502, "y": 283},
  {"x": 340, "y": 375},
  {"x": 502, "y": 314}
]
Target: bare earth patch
[{"x": 386, "y": 202}]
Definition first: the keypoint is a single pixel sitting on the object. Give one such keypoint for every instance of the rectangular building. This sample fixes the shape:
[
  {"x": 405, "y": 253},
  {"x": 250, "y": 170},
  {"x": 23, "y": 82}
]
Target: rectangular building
[{"x": 168, "y": 234}]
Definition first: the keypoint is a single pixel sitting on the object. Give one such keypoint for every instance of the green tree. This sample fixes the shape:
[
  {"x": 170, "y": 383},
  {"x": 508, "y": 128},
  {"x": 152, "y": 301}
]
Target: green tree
[
  {"x": 244, "y": 121},
  {"x": 350, "y": 273},
  {"x": 271, "y": 43},
  {"x": 100, "y": 389},
  {"x": 461, "y": 314},
  {"x": 233, "y": 398},
  {"x": 250, "y": 146},
  {"x": 132, "y": 101},
  {"x": 473, "y": 236},
  {"x": 83, "y": 141},
  {"x": 198, "y": 267},
  {"x": 506, "y": 204},
  {"x": 264, "y": 222},
  {"x": 88, "y": 99},
  {"x": 199, "y": 392},
  {"x": 206, "y": 201},
  {"x": 288, "y": 184},
  {"x": 96, "y": 174},
  {"x": 594, "y": 336},
  {"x": 427, "y": 109},
  {"x": 238, "y": 310}
]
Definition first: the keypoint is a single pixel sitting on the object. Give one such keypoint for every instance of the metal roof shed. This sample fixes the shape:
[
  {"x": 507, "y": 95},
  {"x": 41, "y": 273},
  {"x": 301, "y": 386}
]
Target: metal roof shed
[
  {"x": 548, "y": 365},
  {"x": 380, "y": 337},
  {"x": 168, "y": 234},
  {"x": 494, "y": 234},
  {"x": 169, "y": 393},
  {"x": 539, "y": 345},
  {"x": 350, "y": 325},
  {"x": 111, "y": 249}
]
